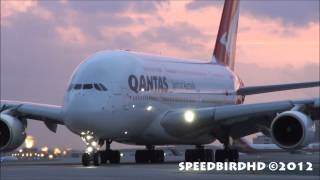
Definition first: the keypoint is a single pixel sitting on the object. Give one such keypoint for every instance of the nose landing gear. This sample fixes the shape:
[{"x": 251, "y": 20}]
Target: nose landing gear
[{"x": 92, "y": 153}]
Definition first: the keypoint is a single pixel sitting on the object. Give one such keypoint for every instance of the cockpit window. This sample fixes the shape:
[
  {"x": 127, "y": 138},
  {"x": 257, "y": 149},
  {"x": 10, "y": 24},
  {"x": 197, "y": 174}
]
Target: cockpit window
[
  {"x": 78, "y": 86},
  {"x": 87, "y": 86},
  {"x": 70, "y": 87},
  {"x": 103, "y": 87},
  {"x": 97, "y": 87}
]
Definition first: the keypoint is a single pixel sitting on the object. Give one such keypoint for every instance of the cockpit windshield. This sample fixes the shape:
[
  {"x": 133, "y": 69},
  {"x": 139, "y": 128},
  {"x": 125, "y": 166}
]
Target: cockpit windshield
[{"x": 88, "y": 86}]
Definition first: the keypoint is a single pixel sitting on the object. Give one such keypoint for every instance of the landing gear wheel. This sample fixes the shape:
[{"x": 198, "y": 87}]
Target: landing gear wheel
[
  {"x": 229, "y": 154},
  {"x": 232, "y": 155},
  {"x": 208, "y": 155},
  {"x": 156, "y": 156},
  {"x": 149, "y": 156},
  {"x": 188, "y": 155},
  {"x": 85, "y": 159},
  {"x": 220, "y": 155},
  {"x": 140, "y": 156},
  {"x": 235, "y": 155},
  {"x": 160, "y": 156},
  {"x": 96, "y": 159},
  {"x": 104, "y": 157},
  {"x": 114, "y": 157},
  {"x": 194, "y": 155}
]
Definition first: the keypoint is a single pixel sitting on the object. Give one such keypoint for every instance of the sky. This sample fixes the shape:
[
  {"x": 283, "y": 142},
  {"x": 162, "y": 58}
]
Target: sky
[{"x": 42, "y": 42}]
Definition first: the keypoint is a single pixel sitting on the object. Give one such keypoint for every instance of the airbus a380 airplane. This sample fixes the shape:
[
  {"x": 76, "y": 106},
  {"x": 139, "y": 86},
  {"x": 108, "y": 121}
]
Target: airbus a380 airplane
[{"x": 151, "y": 100}]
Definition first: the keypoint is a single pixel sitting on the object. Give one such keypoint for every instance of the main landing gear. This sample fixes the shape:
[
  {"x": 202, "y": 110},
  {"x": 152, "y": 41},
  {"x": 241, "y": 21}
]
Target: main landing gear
[
  {"x": 206, "y": 155},
  {"x": 93, "y": 154},
  {"x": 199, "y": 154},
  {"x": 113, "y": 156},
  {"x": 230, "y": 155},
  {"x": 227, "y": 154},
  {"x": 149, "y": 155}
]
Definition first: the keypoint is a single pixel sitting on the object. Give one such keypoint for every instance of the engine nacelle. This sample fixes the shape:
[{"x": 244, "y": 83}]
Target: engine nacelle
[
  {"x": 12, "y": 132},
  {"x": 292, "y": 130}
]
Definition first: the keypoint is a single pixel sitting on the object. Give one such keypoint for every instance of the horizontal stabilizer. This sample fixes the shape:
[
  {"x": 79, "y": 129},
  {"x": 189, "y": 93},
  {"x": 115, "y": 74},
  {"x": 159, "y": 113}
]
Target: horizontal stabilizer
[{"x": 273, "y": 88}]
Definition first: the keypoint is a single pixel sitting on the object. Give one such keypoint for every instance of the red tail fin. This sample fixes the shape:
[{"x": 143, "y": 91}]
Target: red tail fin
[{"x": 225, "y": 47}]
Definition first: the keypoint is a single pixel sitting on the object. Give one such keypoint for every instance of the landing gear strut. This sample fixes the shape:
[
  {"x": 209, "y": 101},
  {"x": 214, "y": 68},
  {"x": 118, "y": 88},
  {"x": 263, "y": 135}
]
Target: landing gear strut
[
  {"x": 149, "y": 155},
  {"x": 227, "y": 154},
  {"x": 199, "y": 154},
  {"x": 113, "y": 156}
]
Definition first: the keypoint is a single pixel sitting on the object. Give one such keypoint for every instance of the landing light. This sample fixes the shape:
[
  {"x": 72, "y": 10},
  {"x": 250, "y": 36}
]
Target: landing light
[
  {"x": 149, "y": 108},
  {"x": 93, "y": 143},
  {"x": 189, "y": 116},
  {"x": 121, "y": 154},
  {"x": 29, "y": 142},
  {"x": 88, "y": 137},
  {"x": 89, "y": 149}
]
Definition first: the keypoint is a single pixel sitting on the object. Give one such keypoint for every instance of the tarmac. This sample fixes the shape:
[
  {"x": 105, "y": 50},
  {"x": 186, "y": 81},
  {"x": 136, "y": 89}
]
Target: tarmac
[{"x": 70, "y": 168}]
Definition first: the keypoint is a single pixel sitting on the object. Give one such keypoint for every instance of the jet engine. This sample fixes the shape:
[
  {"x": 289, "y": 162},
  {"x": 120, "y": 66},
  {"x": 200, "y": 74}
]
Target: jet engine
[
  {"x": 292, "y": 130},
  {"x": 12, "y": 132}
]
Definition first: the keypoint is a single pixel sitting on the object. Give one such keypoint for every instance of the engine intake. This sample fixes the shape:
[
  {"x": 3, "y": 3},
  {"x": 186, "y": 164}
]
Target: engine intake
[
  {"x": 292, "y": 130},
  {"x": 12, "y": 132}
]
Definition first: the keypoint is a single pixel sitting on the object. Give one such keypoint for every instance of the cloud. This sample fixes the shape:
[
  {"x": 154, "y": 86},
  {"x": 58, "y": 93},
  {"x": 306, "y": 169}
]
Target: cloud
[
  {"x": 11, "y": 9},
  {"x": 299, "y": 13},
  {"x": 39, "y": 54},
  {"x": 197, "y": 4},
  {"x": 186, "y": 36},
  {"x": 112, "y": 7},
  {"x": 254, "y": 74},
  {"x": 71, "y": 35}
]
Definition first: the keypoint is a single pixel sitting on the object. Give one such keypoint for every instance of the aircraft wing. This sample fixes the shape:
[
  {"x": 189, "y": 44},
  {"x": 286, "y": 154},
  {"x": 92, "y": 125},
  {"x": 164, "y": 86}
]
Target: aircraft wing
[
  {"x": 238, "y": 120},
  {"x": 49, "y": 114},
  {"x": 272, "y": 88}
]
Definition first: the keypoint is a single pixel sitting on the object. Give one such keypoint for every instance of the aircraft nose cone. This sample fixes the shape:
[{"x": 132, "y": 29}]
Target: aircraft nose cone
[{"x": 81, "y": 111}]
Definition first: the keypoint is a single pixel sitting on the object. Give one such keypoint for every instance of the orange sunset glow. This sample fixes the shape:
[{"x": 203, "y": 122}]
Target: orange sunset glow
[{"x": 43, "y": 41}]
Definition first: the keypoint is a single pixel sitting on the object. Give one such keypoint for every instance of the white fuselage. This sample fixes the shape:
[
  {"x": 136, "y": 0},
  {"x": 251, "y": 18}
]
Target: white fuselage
[{"x": 140, "y": 89}]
